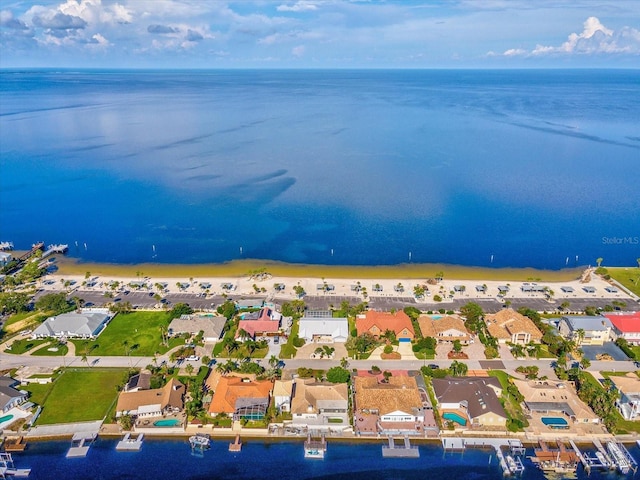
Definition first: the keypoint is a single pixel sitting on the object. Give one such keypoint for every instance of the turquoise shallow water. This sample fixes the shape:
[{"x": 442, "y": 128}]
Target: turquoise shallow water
[
  {"x": 503, "y": 168},
  {"x": 172, "y": 459}
]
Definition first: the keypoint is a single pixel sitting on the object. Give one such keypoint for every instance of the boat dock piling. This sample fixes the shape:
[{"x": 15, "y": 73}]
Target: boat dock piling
[
  {"x": 405, "y": 450},
  {"x": 511, "y": 464},
  {"x": 621, "y": 457},
  {"x": 314, "y": 448},
  {"x": 130, "y": 444},
  {"x": 7, "y": 468},
  {"x": 80, "y": 444},
  {"x": 236, "y": 446}
]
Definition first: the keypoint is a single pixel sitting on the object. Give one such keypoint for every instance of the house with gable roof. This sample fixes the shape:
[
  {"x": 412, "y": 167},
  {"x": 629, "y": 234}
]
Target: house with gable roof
[
  {"x": 471, "y": 402},
  {"x": 241, "y": 397},
  {"x": 376, "y": 323},
  {"x": 88, "y": 323},
  {"x": 510, "y": 326},
  {"x": 585, "y": 330},
  {"x": 445, "y": 329},
  {"x": 320, "y": 405},
  {"x": 626, "y": 325}
]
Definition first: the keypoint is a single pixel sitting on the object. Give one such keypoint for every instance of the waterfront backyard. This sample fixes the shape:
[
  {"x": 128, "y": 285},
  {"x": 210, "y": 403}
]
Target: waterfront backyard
[{"x": 77, "y": 395}]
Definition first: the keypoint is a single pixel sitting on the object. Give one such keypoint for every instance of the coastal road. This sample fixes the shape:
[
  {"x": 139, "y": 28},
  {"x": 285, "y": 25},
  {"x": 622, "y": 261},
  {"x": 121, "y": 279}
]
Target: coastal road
[{"x": 8, "y": 361}]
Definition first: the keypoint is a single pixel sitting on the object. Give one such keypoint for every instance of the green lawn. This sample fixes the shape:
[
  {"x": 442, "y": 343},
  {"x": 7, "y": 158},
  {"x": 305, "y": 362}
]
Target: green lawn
[
  {"x": 627, "y": 277},
  {"x": 140, "y": 329},
  {"x": 78, "y": 395},
  {"x": 24, "y": 345},
  {"x": 511, "y": 406},
  {"x": 44, "y": 352},
  {"x": 288, "y": 350}
]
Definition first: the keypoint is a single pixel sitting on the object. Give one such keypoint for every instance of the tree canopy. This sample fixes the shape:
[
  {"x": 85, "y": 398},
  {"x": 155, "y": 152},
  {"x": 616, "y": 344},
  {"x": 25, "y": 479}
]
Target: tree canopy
[
  {"x": 338, "y": 375},
  {"x": 53, "y": 302}
]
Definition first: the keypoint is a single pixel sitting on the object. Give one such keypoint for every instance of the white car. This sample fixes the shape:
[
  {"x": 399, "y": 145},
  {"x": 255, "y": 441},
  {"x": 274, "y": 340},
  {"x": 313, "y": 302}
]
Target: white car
[{"x": 192, "y": 358}]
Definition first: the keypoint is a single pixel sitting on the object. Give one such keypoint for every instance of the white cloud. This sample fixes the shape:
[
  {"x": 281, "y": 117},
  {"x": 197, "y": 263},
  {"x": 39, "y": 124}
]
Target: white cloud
[
  {"x": 299, "y": 6},
  {"x": 298, "y": 51},
  {"x": 595, "y": 38}
]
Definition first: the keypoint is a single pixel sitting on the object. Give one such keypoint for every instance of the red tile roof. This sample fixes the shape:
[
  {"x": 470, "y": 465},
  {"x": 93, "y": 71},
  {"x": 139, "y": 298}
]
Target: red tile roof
[
  {"x": 258, "y": 326},
  {"x": 625, "y": 322},
  {"x": 373, "y": 322}
]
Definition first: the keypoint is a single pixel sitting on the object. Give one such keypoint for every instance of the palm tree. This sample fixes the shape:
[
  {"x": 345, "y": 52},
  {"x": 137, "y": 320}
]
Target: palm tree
[
  {"x": 458, "y": 369},
  {"x": 599, "y": 261},
  {"x": 273, "y": 361},
  {"x": 580, "y": 336},
  {"x": 189, "y": 369}
]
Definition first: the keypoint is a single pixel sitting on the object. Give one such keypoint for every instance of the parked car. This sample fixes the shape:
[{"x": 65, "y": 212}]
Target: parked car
[{"x": 192, "y": 358}]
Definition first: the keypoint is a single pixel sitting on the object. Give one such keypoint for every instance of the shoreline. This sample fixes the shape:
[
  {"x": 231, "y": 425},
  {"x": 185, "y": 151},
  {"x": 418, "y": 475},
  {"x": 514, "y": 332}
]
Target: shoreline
[{"x": 240, "y": 268}]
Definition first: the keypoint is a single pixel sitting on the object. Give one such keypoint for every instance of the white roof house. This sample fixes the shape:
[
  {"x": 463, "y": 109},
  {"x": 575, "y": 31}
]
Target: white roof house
[
  {"x": 5, "y": 258},
  {"x": 86, "y": 324},
  {"x": 324, "y": 330}
]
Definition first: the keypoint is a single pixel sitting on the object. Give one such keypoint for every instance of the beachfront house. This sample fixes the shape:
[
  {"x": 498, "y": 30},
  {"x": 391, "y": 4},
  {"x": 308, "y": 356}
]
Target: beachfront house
[
  {"x": 509, "y": 326},
  {"x": 586, "y": 330},
  {"x": 152, "y": 403},
  {"x": 470, "y": 402},
  {"x": 323, "y": 329},
  {"x": 554, "y": 399},
  {"x": 392, "y": 406},
  {"x": 5, "y": 258},
  {"x": 377, "y": 323},
  {"x": 444, "y": 329},
  {"x": 626, "y": 325},
  {"x": 87, "y": 324},
  {"x": 10, "y": 396},
  {"x": 210, "y": 325},
  {"x": 241, "y": 397},
  {"x": 629, "y": 402},
  {"x": 320, "y": 405}
]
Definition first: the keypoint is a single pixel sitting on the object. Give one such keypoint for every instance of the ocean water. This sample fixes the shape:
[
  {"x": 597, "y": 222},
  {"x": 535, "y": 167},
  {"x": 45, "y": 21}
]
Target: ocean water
[
  {"x": 504, "y": 168},
  {"x": 172, "y": 459}
]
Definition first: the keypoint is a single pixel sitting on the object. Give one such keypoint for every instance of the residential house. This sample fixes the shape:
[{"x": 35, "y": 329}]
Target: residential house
[
  {"x": 88, "y": 324},
  {"x": 249, "y": 303},
  {"x": 282, "y": 392},
  {"x": 323, "y": 330},
  {"x": 241, "y": 398},
  {"x": 10, "y": 396},
  {"x": 393, "y": 406},
  {"x": 585, "y": 330},
  {"x": 629, "y": 402},
  {"x": 320, "y": 405},
  {"x": 510, "y": 326},
  {"x": 444, "y": 329},
  {"x": 626, "y": 325},
  {"x": 377, "y": 323},
  {"x": 152, "y": 403},
  {"x": 5, "y": 258},
  {"x": 471, "y": 402},
  {"x": 264, "y": 322},
  {"x": 140, "y": 381},
  {"x": 212, "y": 326},
  {"x": 550, "y": 397}
]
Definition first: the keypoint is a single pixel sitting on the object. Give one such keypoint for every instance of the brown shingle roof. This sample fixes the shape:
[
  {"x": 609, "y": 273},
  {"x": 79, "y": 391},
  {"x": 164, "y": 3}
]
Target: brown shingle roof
[
  {"x": 308, "y": 393},
  {"x": 400, "y": 394},
  {"x": 396, "y": 322},
  {"x": 171, "y": 395},
  {"x": 507, "y": 322},
  {"x": 478, "y": 392},
  {"x": 553, "y": 394},
  {"x": 230, "y": 389},
  {"x": 431, "y": 327}
]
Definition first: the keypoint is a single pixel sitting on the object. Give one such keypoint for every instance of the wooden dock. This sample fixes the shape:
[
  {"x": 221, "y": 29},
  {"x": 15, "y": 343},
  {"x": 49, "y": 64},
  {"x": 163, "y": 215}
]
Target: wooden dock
[
  {"x": 236, "y": 445},
  {"x": 15, "y": 444},
  {"x": 404, "y": 450}
]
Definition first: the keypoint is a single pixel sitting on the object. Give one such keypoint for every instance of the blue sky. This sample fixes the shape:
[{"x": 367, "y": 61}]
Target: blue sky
[{"x": 320, "y": 33}]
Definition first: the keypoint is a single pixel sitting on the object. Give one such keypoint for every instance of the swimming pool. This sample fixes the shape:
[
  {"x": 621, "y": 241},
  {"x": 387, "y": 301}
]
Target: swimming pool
[
  {"x": 555, "y": 422},
  {"x": 170, "y": 422},
  {"x": 6, "y": 418},
  {"x": 454, "y": 417},
  {"x": 436, "y": 317}
]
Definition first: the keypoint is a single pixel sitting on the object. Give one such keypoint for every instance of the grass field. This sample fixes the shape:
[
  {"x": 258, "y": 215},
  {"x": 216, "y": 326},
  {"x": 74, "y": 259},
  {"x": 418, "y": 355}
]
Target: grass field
[
  {"x": 627, "y": 277},
  {"x": 44, "y": 352},
  {"x": 140, "y": 329},
  {"x": 21, "y": 346},
  {"x": 80, "y": 394},
  {"x": 67, "y": 266}
]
